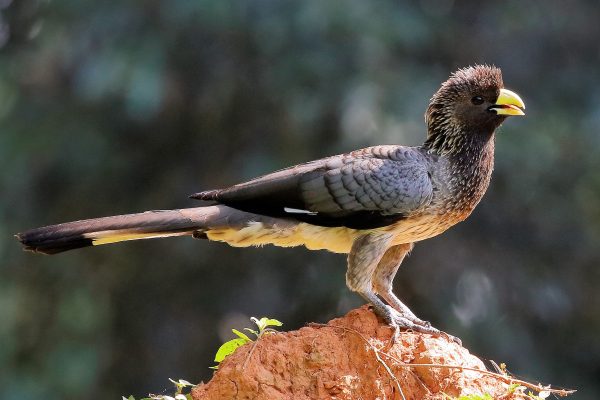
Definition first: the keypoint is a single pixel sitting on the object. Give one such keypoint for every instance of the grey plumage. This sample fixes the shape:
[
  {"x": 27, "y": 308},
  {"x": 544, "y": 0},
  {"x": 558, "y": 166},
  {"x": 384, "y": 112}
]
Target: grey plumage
[
  {"x": 363, "y": 189},
  {"x": 372, "y": 204}
]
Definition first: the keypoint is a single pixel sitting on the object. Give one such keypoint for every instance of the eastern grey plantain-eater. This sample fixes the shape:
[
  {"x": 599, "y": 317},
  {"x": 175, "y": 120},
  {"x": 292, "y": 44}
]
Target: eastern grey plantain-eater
[{"x": 372, "y": 204}]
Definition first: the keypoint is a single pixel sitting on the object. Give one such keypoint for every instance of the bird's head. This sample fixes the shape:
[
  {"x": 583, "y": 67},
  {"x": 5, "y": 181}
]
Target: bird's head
[{"x": 471, "y": 104}]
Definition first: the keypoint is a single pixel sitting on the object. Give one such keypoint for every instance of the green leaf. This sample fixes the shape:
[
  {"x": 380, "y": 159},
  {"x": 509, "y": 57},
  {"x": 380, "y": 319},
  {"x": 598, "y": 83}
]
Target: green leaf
[
  {"x": 251, "y": 331},
  {"x": 513, "y": 387},
  {"x": 265, "y": 322},
  {"x": 228, "y": 348},
  {"x": 241, "y": 335},
  {"x": 262, "y": 323},
  {"x": 272, "y": 322}
]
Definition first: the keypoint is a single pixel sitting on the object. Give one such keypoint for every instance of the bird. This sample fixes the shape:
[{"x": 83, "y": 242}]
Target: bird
[{"x": 372, "y": 204}]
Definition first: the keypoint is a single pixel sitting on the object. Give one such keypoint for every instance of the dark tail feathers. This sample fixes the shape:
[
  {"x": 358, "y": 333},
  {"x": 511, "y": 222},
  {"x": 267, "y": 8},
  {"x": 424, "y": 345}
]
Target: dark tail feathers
[{"x": 72, "y": 235}]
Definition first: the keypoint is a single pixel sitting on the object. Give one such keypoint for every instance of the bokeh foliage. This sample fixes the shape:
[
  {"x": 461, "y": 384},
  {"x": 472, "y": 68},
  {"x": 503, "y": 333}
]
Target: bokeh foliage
[{"x": 114, "y": 107}]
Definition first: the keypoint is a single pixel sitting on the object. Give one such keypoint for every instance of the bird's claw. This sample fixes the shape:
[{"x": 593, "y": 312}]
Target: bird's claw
[
  {"x": 452, "y": 338},
  {"x": 398, "y": 321},
  {"x": 418, "y": 321}
]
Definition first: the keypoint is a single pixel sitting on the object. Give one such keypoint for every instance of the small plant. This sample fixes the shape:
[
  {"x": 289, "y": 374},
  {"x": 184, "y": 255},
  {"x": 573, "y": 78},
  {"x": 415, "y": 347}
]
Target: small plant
[
  {"x": 520, "y": 391},
  {"x": 475, "y": 397},
  {"x": 515, "y": 388},
  {"x": 180, "y": 385},
  {"x": 264, "y": 327}
]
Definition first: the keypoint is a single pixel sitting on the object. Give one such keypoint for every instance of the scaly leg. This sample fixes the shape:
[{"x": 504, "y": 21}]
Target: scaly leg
[
  {"x": 383, "y": 278},
  {"x": 367, "y": 251}
]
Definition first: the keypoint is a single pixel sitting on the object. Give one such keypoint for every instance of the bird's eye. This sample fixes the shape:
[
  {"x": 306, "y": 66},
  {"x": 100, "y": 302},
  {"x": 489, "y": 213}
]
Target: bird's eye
[{"x": 477, "y": 100}]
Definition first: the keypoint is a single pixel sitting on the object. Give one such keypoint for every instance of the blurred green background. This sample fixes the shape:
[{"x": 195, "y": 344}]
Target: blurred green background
[{"x": 116, "y": 107}]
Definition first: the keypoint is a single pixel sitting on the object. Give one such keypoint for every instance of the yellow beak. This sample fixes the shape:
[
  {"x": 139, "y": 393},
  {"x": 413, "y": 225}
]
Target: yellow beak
[{"x": 508, "y": 103}]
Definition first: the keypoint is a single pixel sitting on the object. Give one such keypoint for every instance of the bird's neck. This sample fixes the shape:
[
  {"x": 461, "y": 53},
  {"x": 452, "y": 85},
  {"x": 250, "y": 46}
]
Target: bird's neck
[
  {"x": 458, "y": 144},
  {"x": 475, "y": 161},
  {"x": 469, "y": 160}
]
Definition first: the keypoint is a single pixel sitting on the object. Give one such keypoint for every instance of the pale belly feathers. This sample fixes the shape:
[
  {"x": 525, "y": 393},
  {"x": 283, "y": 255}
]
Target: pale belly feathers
[{"x": 336, "y": 239}]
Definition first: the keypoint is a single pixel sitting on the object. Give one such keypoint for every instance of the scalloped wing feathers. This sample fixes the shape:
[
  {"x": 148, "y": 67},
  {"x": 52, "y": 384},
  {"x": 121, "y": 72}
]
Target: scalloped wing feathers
[{"x": 367, "y": 188}]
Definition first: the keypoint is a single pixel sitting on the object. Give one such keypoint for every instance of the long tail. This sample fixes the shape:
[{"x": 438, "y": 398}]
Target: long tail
[{"x": 150, "y": 224}]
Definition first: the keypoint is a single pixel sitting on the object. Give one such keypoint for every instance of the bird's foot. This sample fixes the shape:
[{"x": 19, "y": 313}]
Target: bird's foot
[
  {"x": 404, "y": 311},
  {"x": 398, "y": 321},
  {"x": 403, "y": 319},
  {"x": 420, "y": 322}
]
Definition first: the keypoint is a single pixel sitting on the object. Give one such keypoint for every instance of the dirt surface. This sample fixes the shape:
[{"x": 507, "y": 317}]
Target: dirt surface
[{"x": 349, "y": 358}]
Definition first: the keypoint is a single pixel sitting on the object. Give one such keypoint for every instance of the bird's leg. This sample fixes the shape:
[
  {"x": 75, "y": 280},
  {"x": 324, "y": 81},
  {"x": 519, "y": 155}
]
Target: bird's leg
[
  {"x": 366, "y": 254},
  {"x": 384, "y": 276},
  {"x": 367, "y": 251}
]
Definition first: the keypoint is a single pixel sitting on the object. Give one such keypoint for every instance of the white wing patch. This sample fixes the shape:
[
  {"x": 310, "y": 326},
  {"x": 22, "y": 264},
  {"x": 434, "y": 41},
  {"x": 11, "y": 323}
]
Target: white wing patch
[{"x": 298, "y": 211}]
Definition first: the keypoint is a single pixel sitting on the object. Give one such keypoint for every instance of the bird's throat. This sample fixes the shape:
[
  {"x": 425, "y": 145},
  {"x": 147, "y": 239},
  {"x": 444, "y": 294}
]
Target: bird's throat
[
  {"x": 458, "y": 143},
  {"x": 472, "y": 171}
]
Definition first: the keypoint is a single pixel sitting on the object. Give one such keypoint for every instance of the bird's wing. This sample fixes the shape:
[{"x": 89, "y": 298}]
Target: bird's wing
[{"x": 365, "y": 189}]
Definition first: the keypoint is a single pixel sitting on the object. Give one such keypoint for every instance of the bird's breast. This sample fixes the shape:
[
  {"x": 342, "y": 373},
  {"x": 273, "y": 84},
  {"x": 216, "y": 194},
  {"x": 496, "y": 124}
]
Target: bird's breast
[{"x": 423, "y": 226}]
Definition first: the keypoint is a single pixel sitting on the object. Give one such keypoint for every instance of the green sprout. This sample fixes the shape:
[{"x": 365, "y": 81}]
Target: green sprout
[
  {"x": 264, "y": 327},
  {"x": 180, "y": 385}
]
